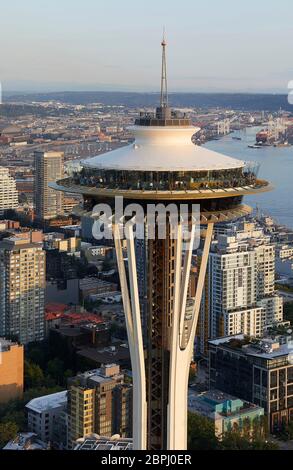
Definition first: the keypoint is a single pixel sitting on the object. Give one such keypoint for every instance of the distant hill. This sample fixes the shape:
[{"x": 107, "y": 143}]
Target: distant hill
[
  {"x": 240, "y": 101},
  {"x": 11, "y": 111}
]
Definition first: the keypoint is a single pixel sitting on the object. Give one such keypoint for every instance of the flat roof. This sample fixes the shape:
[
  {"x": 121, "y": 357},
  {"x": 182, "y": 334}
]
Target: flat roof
[
  {"x": 104, "y": 443},
  {"x": 226, "y": 339},
  {"x": 205, "y": 403},
  {"x": 17, "y": 243},
  {"x": 6, "y": 344},
  {"x": 282, "y": 350},
  {"x": 106, "y": 355},
  {"x": 251, "y": 349},
  {"x": 26, "y": 441}
]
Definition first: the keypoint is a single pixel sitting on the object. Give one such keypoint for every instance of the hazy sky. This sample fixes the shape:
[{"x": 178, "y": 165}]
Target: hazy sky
[{"x": 213, "y": 45}]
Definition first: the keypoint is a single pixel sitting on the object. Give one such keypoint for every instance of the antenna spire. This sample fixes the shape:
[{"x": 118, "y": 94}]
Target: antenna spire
[{"x": 164, "y": 85}]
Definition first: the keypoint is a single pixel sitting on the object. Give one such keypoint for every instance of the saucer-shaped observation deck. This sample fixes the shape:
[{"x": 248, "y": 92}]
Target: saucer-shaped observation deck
[{"x": 164, "y": 165}]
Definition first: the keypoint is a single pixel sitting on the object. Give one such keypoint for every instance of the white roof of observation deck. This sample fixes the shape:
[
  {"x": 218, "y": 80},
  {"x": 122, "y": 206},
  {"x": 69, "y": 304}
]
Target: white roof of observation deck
[{"x": 163, "y": 149}]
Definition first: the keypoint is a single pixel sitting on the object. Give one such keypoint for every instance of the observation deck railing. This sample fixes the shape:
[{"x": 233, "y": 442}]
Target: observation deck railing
[{"x": 184, "y": 184}]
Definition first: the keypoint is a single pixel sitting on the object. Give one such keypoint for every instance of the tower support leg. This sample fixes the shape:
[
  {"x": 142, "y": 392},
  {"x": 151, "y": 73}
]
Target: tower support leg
[
  {"x": 175, "y": 340},
  {"x": 134, "y": 332},
  {"x": 181, "y": 351}
]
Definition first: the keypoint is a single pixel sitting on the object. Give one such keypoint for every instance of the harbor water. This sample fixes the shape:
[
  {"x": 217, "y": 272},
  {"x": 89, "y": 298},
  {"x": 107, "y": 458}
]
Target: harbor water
[{"x": 276, "y": 166}]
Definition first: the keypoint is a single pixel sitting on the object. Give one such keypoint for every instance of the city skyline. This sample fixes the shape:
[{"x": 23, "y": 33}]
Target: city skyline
[
  {"x": 112, "y": 47},
  {"x": 146, "y": 236}
]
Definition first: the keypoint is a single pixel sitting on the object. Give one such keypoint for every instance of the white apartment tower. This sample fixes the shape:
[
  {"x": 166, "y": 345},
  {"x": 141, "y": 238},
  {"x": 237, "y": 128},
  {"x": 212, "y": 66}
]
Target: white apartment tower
[
  {"x": 49, "y": 168},
  {"x": 22, "y": 290},
  {"x": 8, "y": 191},
  {"x": 45, "y": 414},
  {"x": 240, "y": 282}
]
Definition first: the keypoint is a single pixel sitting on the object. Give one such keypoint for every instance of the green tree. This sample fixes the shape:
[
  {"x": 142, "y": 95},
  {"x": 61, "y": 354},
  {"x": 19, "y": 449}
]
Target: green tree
[
  {"x": 39, "y": 353},
  {"x": 67, "y": 374},
  {"x": 8, "y": 431},
  {"x": 56, "y": 370},
  {"x": 259, "y": 428},
  {"x": 38, "y": 392},
  {"x": 15, "y": 416},
  {"x": 246, "y": 431},
  {"x": 232, "y": 440},
  {"x": 33, "y": 375},
  {"x": 201, "y": 433},
  {"x": 260, "y": 444}
]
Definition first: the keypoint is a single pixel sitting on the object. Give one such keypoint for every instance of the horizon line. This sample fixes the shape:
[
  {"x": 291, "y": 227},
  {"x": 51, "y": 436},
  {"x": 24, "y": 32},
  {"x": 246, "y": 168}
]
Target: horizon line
[{"x": 201, "y": 92}]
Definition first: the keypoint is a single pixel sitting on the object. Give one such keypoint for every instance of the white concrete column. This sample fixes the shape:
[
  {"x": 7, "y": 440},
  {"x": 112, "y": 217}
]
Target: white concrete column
[
  {"x": 139, "y": 396},
  {"x": 180, "y": 358},
  {"x": 134, "y": 332}
]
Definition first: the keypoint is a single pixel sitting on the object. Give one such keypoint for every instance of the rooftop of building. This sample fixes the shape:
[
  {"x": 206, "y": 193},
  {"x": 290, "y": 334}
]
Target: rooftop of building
[
  {"x": 118, "y": 353},
  {"x": 6, "y": 344},
  {"x": 13, "y": 223},
  {"x": 15, "y": 243},
  {"x": 104, "y": 373},
  {"x": 284, "y": 246},
  {"x": 67, "y": 331},
  {"x": 53, "y": 235},
  {"x": 268, "y": 348},
  {"x": 96, "y": 442},
  {"x": 56, "y": 308},
  {"x": 49, "y": 154},
  {"x": 93, "y": 282},
  {"x": 239, "y": 236},
  {"x": 47, "y": 402},
  {"x": 26, "y": 441},
  {"x": 10, "y": 130},
  {"x": 69, "y": 317},
  {"x": 215, "y": 404},
  {"x": 89, "y": 246},
  {"x": 106, "y": 294},
  {"x": 71, "y": 227},
  {"x": 80, "y": 328}
]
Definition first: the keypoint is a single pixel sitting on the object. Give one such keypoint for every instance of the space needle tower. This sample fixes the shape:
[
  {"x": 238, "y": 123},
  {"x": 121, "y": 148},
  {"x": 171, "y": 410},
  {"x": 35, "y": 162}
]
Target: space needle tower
[{"x": 163, "y": 166}]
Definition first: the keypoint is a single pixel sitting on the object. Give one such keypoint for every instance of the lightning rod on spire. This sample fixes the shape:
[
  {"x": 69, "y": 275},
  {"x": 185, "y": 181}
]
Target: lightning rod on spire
[{"x": 164, "y": 84}]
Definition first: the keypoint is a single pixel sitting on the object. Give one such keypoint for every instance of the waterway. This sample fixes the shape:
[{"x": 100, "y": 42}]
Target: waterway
[{"x": 276, "y": 166}]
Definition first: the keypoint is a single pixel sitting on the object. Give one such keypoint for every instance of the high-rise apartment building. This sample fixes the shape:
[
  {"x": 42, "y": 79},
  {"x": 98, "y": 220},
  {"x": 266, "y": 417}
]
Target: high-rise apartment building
[
  {"x": 68, "y": 204},
  {"x": 99, "y": 402},
  {"x": 8, "y": 191},
  {"x": 49, "y": 167},
  {"x": 259, "y": 371},
  {"x": 122, "y": 410},
  {"x": 11, "y": 370},
  {"x": 22, "y": 289},
  {"x": 240, "y": 292}
]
